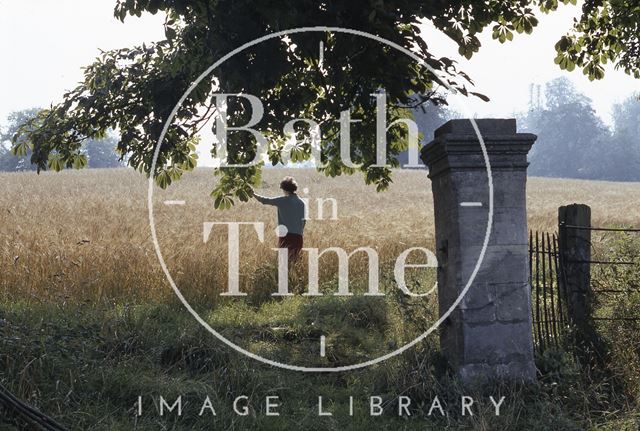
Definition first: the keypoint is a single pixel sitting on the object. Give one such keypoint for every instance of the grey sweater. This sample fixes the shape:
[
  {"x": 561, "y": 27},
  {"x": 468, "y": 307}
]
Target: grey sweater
[{"x": 290, "y": 211}]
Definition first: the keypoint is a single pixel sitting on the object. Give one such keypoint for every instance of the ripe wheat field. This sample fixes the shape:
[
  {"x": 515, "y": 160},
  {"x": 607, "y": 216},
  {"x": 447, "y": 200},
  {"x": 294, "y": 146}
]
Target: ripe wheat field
[{"x": 84, "y": 235}]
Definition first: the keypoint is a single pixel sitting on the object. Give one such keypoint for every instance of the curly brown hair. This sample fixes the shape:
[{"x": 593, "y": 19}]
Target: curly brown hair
[{"x": 288, "y": 184}]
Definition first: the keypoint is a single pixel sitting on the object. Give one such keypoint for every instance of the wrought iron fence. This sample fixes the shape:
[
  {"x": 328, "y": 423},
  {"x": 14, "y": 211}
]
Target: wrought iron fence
[
  {"x": 548, "y": 298},
  {"x": 554, "y": 309}
]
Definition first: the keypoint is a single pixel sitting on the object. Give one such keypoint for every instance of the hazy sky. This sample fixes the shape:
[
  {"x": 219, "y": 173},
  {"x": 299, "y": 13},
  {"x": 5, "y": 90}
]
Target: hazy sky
[{"x": 44, "y": 44}]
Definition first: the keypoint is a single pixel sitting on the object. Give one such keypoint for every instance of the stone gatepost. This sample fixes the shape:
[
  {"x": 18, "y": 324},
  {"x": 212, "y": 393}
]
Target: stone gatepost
[{"x": 489, "y": 333}]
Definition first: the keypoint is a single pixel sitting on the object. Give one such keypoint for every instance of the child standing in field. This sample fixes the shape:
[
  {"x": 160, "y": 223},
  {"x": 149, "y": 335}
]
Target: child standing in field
[{"x": 291, "y": 212}]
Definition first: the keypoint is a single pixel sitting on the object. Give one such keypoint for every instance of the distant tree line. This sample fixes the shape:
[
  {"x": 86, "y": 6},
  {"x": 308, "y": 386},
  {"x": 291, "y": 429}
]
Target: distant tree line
[
  {"x": 100, "y": 153},
  {"x": 573, "y": 142}
]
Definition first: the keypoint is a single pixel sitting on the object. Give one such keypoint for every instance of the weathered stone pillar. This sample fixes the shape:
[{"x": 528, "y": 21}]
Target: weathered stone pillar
[{"x": 489, "y": 334}]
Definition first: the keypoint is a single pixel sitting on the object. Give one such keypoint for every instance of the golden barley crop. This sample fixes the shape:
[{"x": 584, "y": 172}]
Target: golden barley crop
[{"x": 84, "y": 235}]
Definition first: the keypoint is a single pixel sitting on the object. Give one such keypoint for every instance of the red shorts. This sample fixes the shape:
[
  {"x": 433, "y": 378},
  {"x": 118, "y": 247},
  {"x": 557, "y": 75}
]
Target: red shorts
[{"x": 293, "y": 242}]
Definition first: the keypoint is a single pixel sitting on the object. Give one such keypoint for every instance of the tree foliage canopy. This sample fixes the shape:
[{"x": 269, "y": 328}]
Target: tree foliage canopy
[
  {"x": 606, "y": 32},
  {"x": 133, "y": 90}
]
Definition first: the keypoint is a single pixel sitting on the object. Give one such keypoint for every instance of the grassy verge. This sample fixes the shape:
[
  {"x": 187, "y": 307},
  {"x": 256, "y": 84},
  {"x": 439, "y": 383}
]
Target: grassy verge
[{"x": 86, "y": 365}]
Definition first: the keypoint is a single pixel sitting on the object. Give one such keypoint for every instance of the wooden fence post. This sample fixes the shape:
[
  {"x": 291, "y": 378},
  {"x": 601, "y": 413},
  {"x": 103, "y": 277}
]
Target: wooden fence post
[
  {"x": 574, "y": 228},
  {"x": 574, "y": 222}
]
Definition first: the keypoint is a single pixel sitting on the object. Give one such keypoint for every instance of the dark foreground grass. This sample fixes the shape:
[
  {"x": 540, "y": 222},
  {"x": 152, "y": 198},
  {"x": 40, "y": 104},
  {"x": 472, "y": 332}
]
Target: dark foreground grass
[{"x": 87, "y": 366}]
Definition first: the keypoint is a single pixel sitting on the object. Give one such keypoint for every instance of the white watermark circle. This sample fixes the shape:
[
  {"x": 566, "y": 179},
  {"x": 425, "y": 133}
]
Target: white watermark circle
[{"x": 316, "y": 29}]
